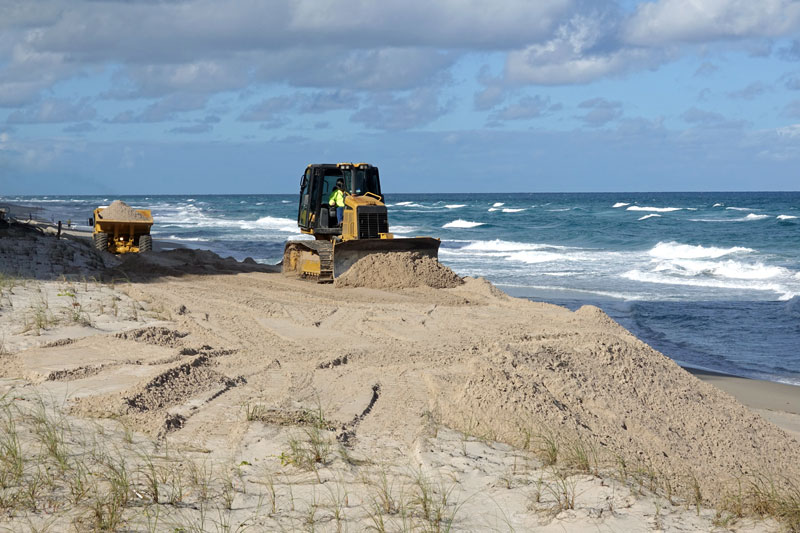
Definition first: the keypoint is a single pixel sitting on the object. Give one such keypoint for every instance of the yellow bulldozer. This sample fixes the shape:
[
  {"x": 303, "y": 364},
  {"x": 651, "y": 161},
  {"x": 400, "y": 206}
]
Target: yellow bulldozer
[
  {"x": 120, "y": 229},
  {"x": 364, "y": 229}
]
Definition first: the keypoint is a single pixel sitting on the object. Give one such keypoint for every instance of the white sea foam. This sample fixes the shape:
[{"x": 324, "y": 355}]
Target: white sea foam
[
  {"x": 620, "y": 204},
  {"x": 498, "y": 245},
  {"x": 651, "y": 215},
  {"x": 403, "y": 229},
  {"x": 498, "y": 204},
  {"x": 492, "y": 209},
  {"x": 533, "y": 257},
  {"x": 512, "y": 210},
  {"x": 675, "y": 250},
  {"x": 753, "y": 216},
  {"x": 721, "y": 269},
  {"x": 786, "y": 217},
  {"x": 738, "y": 208},
  {"x": 275, "y": 223},
  {"x": 404, "y": 203},
  {"x": 455, "y": 206},
  {"x": 458, "y": 223},
  {"x": 654, "y": 209},
  {"x": 190, "y": 239},
  {"x": 741, "y": 284},
  {"x": 718, "y": 205}
]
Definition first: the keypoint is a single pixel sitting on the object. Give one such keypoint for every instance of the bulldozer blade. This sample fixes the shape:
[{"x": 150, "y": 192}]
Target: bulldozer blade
[{"x": 348, "y": 252}]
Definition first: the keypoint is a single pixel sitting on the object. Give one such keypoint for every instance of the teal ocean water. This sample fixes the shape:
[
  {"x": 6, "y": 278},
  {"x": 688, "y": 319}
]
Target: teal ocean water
[{"x": 710, "y": 279}]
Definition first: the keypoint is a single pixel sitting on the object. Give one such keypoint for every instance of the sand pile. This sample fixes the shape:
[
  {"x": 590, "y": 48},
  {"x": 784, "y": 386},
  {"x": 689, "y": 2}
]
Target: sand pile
[
  {"x": 398, "y": 271},
  {"x": 119, "y": 210},
  {"x": 603, "y": 387}
]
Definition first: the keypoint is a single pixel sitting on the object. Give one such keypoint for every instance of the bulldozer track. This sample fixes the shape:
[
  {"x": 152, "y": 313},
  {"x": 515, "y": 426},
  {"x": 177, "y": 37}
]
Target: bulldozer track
[{"x": 324, "y": 250}]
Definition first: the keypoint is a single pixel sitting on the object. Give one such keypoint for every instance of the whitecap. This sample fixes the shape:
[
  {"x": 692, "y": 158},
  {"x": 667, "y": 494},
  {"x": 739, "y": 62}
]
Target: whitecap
[
  {"x": 455, "y": 206},
  {"x": 738, "y": 208},
  {"x": 462, "y": 224},
  {"x": 492, "y": 209},
  {"x": 498, "y": 204},
  {"x": 286, "y": 225},
  {"x": 753, "y": 216},
  {"x": 655, "y": 209},
  {"x": 510, "y": 210},
  {"x": 786, "y": 217},
  {"x": 620, "y": 204},
  {"x": 718, "y": 205},
  {"x": 651, "y": 215},
  {"x": 675, "y": 250}
]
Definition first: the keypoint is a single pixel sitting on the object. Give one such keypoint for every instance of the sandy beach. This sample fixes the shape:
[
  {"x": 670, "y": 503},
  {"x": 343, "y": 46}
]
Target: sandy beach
[{"x": 177, "y": 390}]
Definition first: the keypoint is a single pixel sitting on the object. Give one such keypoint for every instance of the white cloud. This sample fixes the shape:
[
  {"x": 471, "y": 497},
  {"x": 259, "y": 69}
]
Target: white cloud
[
  {"x": 666, "y": 22},
  {"x": 789, "y": 131},
  {"x": 581, "y": 51},
  {"x": 600, "y": 111},
  {"x": 411, "y": 110},
  {"x": 53, "y": 111},
  {"x": 527, "y": 107}
]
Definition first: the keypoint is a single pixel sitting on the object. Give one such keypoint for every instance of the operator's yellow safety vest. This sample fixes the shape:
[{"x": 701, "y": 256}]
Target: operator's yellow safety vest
[{"x": 336, "y": 198}]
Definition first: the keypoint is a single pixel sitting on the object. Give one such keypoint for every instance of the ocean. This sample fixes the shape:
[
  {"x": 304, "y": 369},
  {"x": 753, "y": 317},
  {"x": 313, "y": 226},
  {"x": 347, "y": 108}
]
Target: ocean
[{"x": 711, "y": 280}]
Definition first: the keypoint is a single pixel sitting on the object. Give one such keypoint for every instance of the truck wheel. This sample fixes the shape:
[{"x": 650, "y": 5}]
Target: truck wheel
[
  {"x": 100, "y": 241},
  {"x": 145, "y": 243}
]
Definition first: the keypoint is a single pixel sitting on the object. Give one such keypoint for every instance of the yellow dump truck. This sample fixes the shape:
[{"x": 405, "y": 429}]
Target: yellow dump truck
[{"x": 120, "y": 229}]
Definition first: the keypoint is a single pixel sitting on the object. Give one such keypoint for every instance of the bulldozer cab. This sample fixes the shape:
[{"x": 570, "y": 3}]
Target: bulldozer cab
[{"x": 316, "y": 186}]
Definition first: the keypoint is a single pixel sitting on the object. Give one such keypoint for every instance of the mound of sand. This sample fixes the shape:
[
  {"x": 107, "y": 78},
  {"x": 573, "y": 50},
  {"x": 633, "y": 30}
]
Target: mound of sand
[
  {"x": 623, "y": 399},
  {"x": 119, "y": 210},
  {"x": 398, "y": 271}
]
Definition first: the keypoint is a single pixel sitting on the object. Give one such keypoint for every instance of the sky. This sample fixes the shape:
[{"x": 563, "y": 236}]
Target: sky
[{"x": 217, "y": 96}]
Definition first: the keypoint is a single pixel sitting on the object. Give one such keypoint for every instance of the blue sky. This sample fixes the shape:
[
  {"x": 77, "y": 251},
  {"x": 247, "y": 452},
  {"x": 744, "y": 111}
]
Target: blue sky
[{"x": 201, "y": 96}]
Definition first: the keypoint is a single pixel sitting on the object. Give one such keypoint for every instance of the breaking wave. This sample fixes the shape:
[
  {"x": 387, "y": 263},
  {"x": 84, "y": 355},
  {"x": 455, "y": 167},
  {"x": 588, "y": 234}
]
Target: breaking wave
[
  {"x": 654, "y": 209},
  {"x": 675, "y": 250},
  {"x": 466, "y": 224}
]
